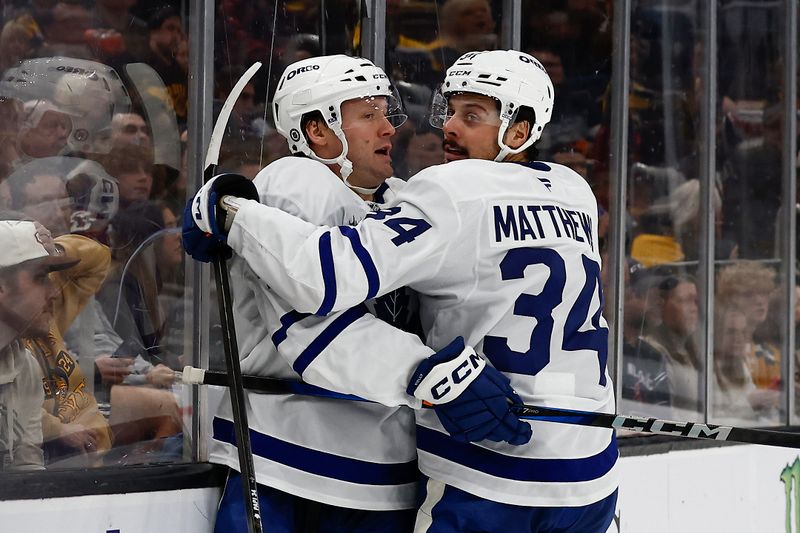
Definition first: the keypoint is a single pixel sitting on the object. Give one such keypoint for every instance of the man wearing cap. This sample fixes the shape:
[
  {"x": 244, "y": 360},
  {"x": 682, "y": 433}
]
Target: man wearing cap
[
  {"x": 71, "y": 423},
  {"x": 27, "y": 295}
]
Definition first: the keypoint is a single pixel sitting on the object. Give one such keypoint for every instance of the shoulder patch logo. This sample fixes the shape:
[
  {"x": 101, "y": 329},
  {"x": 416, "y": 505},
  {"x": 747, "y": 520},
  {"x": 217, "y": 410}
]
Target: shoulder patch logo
[{"x": 546, "y": 182}]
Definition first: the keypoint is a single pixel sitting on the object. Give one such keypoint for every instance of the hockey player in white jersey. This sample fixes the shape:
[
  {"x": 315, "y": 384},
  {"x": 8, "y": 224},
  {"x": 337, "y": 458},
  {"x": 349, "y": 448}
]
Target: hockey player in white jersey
[
  {"x": 324, "y": 464},
  {"x": 504, "y": 249}
]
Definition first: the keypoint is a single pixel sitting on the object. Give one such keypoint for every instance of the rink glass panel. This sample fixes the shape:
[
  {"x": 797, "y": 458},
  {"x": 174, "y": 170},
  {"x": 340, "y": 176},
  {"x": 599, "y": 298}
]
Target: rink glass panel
[
  {"x": 752, "y": 290},
  {"x": 91, "y": 146},
  {"x": 663, "y": 324},
  {"x": 669, "y": 71}
]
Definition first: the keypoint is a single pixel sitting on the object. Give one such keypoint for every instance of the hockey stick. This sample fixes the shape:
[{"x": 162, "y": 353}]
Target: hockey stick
[
  {"x": 692, "y": 430},
  {"x": 234, "y": 381},
  {"x": 260, "y": 384}
]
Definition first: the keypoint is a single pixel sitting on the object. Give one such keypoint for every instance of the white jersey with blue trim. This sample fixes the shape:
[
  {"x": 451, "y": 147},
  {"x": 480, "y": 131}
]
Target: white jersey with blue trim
[
  {"x": 505, "y": 254},
  {"x": 350, "y": 454}
]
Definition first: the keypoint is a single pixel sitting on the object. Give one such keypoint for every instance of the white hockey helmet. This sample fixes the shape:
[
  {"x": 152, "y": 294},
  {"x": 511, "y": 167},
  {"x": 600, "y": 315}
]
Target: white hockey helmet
[
  {"x": 88, "y": 91},
  {"x": 95, "y": 197},
  {"x": 515, "y": 79},
  {"x": 322, "y": 84}
]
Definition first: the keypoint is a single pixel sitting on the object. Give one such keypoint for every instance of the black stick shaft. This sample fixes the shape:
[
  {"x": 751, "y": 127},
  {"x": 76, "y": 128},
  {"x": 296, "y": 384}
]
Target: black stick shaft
[
  {"x": 693, "y": 430},
  {"x": 236, "y": 386}
]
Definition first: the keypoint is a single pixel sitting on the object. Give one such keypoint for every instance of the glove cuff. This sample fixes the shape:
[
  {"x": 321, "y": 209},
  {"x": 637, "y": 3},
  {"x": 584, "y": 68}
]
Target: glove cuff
[{"x": 441, "y": 382}]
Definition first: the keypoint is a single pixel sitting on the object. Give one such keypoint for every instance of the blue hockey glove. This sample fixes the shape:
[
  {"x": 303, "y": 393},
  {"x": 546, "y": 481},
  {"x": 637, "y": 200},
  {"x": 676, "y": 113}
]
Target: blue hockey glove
[
  {"x": 471, "y": 398},
  {"x": 204, "y": 220},
  {"x": 200, "y": 245}
]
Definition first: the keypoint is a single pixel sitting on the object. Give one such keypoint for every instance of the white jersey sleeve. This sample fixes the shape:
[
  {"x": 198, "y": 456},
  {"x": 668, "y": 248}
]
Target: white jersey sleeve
[{"x": 325, "y": 269}]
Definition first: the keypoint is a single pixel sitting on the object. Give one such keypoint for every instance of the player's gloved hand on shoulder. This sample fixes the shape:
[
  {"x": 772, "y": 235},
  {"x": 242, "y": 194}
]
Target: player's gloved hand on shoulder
[
  {"x": 204, "y": 232},
  {"x": 471, "y": 398}
]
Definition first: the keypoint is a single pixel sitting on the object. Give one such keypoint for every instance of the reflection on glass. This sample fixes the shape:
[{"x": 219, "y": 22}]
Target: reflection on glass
[{"x": 93, "y": 100}]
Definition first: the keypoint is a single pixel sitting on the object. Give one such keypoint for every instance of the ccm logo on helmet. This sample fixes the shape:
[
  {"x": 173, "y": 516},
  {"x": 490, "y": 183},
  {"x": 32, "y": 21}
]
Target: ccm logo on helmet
[
  {"x": 459, "y": 374},
  {"x": 461, "y": 73},
  {"x": 378, "y": 76},
  {"x": 297, "y": 71}
]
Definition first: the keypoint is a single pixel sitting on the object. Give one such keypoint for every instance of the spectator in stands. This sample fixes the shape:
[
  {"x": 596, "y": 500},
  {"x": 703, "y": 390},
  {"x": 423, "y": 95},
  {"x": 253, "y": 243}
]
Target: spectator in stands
[
  {"x": 65, "y": 31},
  {"x": 132, "y": 166},
  {"x": 301, "y": 46},
  {"x": 130, "y": 128},
  {"x": 240, "y": 124},
  {"x": 749, "y": 287},
  {"x": 465, "y": 25},
  {"x": 735, "y": 396},
  {"x": 644, "y": 374},
  {"x": 575, "y": 112},
  {"x": 27, "y": 296},
  {"x": 166, "y": 34},
  {"x": 73, "y": 429},
  {"x": 675, "y": 339}
]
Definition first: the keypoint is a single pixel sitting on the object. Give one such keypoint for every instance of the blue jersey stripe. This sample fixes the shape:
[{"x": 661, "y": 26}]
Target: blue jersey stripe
[
  {"x": 328, "y": 274},
  {"x": 287, "y": 321},
  {"x": 518, "y": 468},
  {"x": 373, "y": 279},
  {"x": 322, "y": 341},
  {"x": 377, "y": 196},
  {"x": 321, "y": 463}
]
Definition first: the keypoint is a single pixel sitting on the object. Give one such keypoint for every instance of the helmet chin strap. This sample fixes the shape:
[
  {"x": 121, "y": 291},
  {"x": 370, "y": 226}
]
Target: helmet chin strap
[
  {"x": 346, "y": 166},
  {"x": 356, "y": 188}
]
